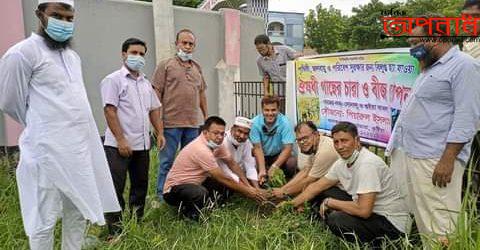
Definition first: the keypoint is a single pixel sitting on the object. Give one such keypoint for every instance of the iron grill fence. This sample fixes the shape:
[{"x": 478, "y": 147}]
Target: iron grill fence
[{"x": 248, "y": 97}]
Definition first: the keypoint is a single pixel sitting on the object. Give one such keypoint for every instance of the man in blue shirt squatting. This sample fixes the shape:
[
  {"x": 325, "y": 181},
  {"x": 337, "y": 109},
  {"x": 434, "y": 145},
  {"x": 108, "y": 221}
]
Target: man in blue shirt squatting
[
  {"x": 272, "y": 137},
  {"x": 430, "y": 143}
]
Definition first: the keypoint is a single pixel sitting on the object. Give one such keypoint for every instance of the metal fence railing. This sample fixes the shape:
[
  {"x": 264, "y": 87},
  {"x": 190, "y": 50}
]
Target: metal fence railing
[{"x": 248, "y": 97}]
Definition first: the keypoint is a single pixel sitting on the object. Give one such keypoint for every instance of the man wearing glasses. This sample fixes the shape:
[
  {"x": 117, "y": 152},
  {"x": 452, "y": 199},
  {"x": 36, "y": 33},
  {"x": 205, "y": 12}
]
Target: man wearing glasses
[
  {"x": 316, "y": 157},
  {"x": 273, "y": 138},
  {"x": 187, "y": 185}
]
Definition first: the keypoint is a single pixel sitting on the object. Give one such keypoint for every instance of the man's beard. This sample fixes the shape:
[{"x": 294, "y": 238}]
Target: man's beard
[
  {"x": 55, "y": 45},
  {"x": 429, "y": 60},
  {"x": 311, "y": 151}
]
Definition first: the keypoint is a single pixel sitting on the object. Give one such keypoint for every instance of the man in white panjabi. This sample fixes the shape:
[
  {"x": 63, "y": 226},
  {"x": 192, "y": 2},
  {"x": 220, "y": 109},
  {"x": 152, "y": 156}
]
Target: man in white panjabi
[
  {"x": 63, "y": 171},
  {"x": 237, "y": 142}
]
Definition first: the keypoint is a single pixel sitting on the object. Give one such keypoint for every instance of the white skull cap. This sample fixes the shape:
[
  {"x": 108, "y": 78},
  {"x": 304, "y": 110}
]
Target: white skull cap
[
  {"x": 243, "y": 122},
  {"x": 69, "y": 2}
]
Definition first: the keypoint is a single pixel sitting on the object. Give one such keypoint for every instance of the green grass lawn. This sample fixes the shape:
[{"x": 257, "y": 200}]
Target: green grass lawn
[{"x": 239, "y": 224}]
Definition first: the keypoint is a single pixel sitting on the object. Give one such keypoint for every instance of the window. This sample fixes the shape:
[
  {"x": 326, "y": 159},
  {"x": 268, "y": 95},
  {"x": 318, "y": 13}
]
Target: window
[{"x": 297, "y": 31}]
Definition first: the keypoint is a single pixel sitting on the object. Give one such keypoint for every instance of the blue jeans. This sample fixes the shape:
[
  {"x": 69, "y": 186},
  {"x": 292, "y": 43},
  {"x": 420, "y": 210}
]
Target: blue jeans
[{"x": 173, "y": 137}]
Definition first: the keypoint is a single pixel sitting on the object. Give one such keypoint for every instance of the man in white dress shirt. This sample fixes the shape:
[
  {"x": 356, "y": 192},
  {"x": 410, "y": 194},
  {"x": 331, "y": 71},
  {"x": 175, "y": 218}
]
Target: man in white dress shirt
[{"x": 63, "y": 171}]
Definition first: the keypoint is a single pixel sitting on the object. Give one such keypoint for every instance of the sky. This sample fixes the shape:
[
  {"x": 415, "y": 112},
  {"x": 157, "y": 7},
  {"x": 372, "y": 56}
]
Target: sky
[{"x": 302, "y": 6}]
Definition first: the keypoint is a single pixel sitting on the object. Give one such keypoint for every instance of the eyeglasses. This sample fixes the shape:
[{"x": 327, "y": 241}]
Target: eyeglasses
[
  {"x": 304, "y": 139},
  {"x": 269, "y": 132}
]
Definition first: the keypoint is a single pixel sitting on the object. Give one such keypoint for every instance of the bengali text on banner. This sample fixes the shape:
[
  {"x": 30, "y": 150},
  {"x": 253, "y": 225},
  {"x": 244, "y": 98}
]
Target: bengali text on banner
[{"x": 367, "y": 89}]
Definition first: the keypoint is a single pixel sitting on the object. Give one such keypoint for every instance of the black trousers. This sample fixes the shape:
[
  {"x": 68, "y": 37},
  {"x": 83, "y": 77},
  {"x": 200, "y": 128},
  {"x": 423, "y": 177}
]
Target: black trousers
[
  {"x": 137, "y": 167},
  {"x": 289, "y": 168},
  {"x": 372, "y": 230},
  {"x": 191, "y": 198}
]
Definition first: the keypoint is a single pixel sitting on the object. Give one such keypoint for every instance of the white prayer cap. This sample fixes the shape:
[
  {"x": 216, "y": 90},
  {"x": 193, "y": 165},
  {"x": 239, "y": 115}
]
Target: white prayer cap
[
  {"x": 243, "y": 122},
  {"x": 69, "y": 2}
]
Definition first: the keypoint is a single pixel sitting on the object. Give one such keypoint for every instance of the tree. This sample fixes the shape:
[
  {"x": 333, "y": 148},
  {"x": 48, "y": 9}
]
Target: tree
[
  {"x": 230, "y": 4},
  {"x": 184, "y": 3},
  {"x": 324, "y": 29},
  {"x": 444, "y": 7},
  {"x": 367, "y": 27}
]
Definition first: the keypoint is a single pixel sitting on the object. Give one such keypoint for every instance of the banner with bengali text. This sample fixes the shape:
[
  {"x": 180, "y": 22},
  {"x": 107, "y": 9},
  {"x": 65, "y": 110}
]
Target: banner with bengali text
[{"x": 367, "y": 89}]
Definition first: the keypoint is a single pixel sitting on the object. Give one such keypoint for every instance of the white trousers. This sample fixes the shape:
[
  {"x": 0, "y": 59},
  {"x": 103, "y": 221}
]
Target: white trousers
[
  {"x": 435, "y": 209},
  {"x": 250, "y": 172},
  {"x": 53, "y": 205}
]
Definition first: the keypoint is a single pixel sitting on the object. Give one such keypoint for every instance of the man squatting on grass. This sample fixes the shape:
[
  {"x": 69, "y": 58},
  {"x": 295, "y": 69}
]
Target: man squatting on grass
[
  {"x": 196, "y": 178},
  {"x": 369, "y": 207},
  {"x": 240, "y": 147},
  {"x": 272, "y": 137},
  {"x": 317, "y": 155}
]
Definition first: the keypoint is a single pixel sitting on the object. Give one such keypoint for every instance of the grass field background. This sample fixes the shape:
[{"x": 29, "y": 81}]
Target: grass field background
[{"x": 238, "y": 224}]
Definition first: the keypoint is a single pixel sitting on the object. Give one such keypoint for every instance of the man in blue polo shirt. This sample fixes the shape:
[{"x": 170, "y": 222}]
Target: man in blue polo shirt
[{"x": 272, "y": 137}]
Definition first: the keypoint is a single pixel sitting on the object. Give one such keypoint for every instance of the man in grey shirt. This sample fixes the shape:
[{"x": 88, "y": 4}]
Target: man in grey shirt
[
  {"x": 430, "y": 143},
  {"x": 272, "y": 62}
]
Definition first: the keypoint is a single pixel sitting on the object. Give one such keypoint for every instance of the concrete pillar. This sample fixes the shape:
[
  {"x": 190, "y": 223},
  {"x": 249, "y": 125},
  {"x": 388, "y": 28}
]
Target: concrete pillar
[
  {"x": 226, "y": 103},
  {"x": 13, "y": 31},
  {"x": 229, "y": 68},
  {"x": 164, "y": 29},
  {"x": 290, "y": 93}
]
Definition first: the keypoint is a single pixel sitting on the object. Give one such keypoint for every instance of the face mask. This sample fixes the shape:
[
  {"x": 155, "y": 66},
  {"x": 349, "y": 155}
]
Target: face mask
[
  {"x": 59, "y": 30},
  {"x": 184, "y": 56},
  {"x": 419, "y": 52},
  {"x": 422, "y": 54},
  {"x": 234, "y": 141},
  {"x": 135, "y": 62},
  {"x": 212, "y": 145},
  {"x": 352, "y": 158}
]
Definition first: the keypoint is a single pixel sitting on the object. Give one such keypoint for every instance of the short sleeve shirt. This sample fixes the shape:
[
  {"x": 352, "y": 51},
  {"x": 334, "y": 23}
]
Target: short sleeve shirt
[
  {"x": 472, "y": 48},
  {"x": 272, "y": 139},
  {"x": 370, "y": 174},
  {"x": 178, "y": 88},
  {"x": 193, "y": 163},
  {"x": 276, "y": 66},
  {"x": 134, "y": 99},
  {"x": 320, "y": 163}
]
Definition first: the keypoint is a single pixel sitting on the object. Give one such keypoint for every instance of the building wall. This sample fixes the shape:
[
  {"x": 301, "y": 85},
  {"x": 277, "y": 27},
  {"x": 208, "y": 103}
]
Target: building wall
[
  {"x": 102, "y": 26},
  {"x": 293, "y": 28},
  {"x": 100, "y": 29},
  {"x": 250, "y": 27},
  {"x": 11, "y": 25},
  {"x": 258, "y": 8}
]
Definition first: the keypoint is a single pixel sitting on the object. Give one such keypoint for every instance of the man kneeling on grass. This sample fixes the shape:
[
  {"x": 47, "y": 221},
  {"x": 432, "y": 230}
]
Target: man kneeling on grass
[
  {"x": 240, "y": 147},
  {"x": 370, "y": 207},
  {"x": 317, "y": 155},
  {"x": 195, "y": 176}
]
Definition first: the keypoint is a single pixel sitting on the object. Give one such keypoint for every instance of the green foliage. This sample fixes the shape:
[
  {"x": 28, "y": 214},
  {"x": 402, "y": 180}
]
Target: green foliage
[
  {"x": 324, "y": 30},
  {"x": 239, "y": 224},
  {"x": 327, "y": 30},
  {"x": 184, "y": 3},
  {"x": 366, "y": 27},
  {"x": 278, "y": 178},
  {"x": 230, "y": 4}
]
